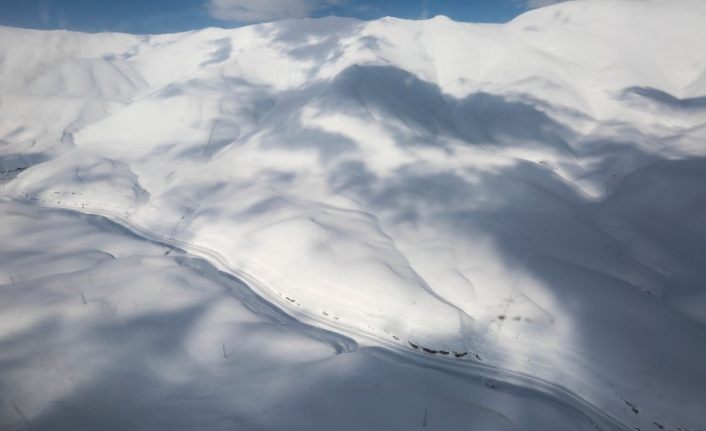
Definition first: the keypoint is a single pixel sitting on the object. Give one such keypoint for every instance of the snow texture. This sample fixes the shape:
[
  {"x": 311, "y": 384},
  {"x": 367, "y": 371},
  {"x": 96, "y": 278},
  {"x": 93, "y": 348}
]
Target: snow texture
[{"x": 422, "y": 215}]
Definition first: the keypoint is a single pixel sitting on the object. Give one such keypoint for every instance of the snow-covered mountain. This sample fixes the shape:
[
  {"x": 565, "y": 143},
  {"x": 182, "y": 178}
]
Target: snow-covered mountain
[{"x": 523, "y": 200}]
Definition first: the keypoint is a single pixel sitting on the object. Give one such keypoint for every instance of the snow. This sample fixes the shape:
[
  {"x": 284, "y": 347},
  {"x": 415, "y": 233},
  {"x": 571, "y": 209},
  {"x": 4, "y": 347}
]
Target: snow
[
  {"x": 528, "y": 193},
  {"x": 105, "y": 330}
]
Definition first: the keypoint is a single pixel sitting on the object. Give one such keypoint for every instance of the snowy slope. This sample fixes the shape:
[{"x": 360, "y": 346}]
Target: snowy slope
[
  {"x": 529, "y": 194},
  {"x": 103, "y": 330}
]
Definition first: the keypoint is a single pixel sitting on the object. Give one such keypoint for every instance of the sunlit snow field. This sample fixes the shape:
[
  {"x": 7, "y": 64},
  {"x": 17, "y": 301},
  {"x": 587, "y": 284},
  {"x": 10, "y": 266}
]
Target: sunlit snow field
[{"x": 340, "y": 224}]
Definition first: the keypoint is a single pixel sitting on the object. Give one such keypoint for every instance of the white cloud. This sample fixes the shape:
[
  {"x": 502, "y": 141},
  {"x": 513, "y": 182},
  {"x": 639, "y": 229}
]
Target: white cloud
[
  {"x": 248, "y": 11},
  {"x": 52, "y": 15},
  {"x": 425, "y": 10},
  {"x": 44, "y": 12},
  {"x": 534, "y": 4}
]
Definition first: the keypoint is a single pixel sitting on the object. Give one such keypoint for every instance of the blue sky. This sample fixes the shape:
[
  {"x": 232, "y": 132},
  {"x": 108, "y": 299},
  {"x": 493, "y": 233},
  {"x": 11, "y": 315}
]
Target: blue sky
[{"x": 161, "y": 16}]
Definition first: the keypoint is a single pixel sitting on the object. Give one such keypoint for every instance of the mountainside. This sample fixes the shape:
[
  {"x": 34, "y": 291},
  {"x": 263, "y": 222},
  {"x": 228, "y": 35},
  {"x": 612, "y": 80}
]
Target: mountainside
[{"x": 527, "y": 197}]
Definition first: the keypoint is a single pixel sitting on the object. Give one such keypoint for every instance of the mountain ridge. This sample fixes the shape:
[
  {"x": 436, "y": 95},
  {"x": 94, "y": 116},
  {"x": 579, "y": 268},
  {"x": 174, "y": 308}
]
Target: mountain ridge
[{"x": 459, "y": 186}]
